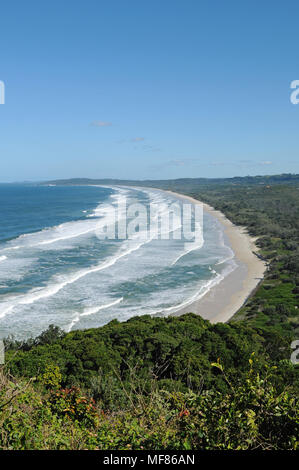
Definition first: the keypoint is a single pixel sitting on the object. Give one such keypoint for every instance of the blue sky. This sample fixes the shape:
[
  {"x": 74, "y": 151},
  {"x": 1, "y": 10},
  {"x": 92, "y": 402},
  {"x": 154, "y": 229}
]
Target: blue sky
[{"x": 148, "y": 89}]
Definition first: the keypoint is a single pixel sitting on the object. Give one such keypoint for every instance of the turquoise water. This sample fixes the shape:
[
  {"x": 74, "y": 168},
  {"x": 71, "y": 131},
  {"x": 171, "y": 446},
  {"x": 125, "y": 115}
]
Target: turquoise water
[{"x": 55, "y": 269}]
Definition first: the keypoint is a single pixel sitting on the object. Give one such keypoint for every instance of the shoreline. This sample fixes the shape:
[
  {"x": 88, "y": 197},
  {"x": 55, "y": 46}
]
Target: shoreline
[
  {"x": 227, "y": 296},
  {"x": 223, "y": 300}
]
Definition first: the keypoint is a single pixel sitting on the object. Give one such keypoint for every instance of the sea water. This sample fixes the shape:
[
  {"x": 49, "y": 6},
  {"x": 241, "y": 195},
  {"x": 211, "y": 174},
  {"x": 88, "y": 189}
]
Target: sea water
[{"x": 55, "y": 269}]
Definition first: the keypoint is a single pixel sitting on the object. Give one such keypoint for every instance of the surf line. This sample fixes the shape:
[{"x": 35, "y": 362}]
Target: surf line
[
  {"x": 49, "y": 291},
  {"x": 91, "y": 311}
]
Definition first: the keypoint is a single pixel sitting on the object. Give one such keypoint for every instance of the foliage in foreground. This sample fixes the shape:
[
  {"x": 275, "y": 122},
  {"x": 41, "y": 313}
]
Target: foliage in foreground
[
  {"x": 251, "y": 415},
  {"x": 178, "y": 351}
]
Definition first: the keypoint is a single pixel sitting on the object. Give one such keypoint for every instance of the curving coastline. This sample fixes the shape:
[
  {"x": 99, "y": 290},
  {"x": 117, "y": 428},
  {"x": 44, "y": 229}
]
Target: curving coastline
[{"x": 224, "y": 299}]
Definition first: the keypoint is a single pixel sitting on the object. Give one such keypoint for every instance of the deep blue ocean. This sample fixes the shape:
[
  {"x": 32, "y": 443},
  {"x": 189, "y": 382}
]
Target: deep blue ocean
[{"x": 55, "y": 269}]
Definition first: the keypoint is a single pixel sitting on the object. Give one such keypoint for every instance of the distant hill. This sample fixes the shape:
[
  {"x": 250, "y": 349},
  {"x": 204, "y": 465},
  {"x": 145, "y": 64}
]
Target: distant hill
[{"x": 287, "y": 178}]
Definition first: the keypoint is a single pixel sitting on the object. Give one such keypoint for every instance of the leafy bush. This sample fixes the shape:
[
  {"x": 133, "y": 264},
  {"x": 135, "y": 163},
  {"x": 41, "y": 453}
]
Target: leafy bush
[
  {"x": 70, "y": 403},
  {"x": 252, "y": 414}
]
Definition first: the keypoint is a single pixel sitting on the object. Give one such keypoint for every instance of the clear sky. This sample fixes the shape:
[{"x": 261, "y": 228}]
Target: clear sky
[{"x": 148, "y": 88}]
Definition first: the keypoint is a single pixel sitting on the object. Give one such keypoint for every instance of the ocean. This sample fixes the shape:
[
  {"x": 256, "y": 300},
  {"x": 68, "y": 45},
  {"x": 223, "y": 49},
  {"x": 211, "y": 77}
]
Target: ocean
[{"x": 56, "y": 269}]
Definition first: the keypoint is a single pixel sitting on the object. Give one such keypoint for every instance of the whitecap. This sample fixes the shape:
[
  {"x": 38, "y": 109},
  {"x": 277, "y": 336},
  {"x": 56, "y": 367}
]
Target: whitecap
[{"x": 92, "y": 311}]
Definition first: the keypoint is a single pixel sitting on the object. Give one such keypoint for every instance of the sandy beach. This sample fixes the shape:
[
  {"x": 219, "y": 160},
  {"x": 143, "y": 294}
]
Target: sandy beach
[{"x": 224, "y": 299}]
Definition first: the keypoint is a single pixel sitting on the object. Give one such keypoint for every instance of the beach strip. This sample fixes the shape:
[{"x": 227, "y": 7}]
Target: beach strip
[{"x": 224, "y": 299}]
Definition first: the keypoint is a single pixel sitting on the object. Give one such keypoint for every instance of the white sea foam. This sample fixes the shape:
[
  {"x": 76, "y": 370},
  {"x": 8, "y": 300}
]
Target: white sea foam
[
  {"x": 231, "y": 254},
  {"x": 52, "y": 235},
  {"x": 65, "y": 231},
  {"x": 3, "y": 258},
  {"x": 191, "y": 247},
  {"x": 225, "y": 260},
  {"x": 91, "y": 311},
  {"x": 204, "y": 288},
  {"x": 60, "y": 282},
  {"x": 14, "y": 268}
]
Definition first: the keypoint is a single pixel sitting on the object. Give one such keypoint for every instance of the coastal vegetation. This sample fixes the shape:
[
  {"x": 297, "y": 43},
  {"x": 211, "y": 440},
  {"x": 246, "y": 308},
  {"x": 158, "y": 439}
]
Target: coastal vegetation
[
  {"x": 163, "y": 383},
  {"x": 175, "y": 382}
]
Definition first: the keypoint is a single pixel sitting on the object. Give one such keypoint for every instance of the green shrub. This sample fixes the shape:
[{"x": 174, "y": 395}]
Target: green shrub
[{"x": 70, "y": 403}]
